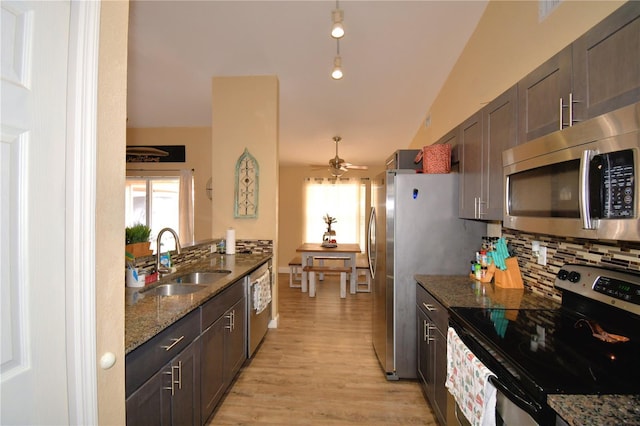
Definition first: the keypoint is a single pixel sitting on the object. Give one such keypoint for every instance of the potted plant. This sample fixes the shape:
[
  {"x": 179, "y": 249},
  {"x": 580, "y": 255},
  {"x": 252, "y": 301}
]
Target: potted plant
[{"x": 137, "y": 240}]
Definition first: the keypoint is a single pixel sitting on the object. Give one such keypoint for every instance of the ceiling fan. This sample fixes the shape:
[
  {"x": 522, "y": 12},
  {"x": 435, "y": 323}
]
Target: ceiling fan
[{"x": 337, "y": 166}]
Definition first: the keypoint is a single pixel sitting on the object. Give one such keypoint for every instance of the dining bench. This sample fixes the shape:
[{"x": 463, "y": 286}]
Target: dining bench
[{"x": 311, "y": 270}]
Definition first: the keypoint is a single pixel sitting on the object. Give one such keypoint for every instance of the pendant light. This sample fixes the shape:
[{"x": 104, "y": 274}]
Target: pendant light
[
  {"x": 336, "y": 73},
  {"x": 337, "y": 32}
]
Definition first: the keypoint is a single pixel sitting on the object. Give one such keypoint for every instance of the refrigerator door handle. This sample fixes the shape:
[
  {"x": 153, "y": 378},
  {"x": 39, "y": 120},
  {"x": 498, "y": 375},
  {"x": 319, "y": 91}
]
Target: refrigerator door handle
[{"x": 371, "y": 239}]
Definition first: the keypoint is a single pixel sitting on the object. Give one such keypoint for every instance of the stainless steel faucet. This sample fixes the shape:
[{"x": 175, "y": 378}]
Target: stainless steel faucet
[{"x": 158, "y": 241}]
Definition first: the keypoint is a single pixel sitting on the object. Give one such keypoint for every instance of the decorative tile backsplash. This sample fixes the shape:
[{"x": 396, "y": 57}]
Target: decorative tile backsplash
[
  {"x": 561, "y": 250},
  {"x": 194, "y": 253}
]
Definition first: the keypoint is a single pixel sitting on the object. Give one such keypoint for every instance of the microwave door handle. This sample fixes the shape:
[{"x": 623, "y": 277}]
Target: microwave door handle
[{"x": 585, "y": 207}]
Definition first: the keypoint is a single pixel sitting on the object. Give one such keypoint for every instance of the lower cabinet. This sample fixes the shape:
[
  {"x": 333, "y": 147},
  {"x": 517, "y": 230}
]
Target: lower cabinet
[
  {"x": 171, "y": 396},
  {"x": 223, "y": 344},
  {"x": 179, "y": 376},
  {"x": 432, "y": 322}
]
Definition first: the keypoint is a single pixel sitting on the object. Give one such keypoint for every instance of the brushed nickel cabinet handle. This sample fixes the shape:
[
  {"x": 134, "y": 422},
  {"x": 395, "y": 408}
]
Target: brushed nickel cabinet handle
[
  {"x": 175, "y": 342},
  {"x": 429, "y": 307}
]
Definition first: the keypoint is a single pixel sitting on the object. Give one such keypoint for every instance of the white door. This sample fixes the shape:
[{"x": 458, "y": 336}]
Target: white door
[{"x": 35, "y": 37}]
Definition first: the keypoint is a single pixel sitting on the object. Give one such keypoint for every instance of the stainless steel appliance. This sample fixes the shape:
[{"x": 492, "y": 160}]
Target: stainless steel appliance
[
  {"x": 591, "y": 345},
  {"x": 578, "y": 182},
  {"x": 259, "y": 315},
  {"x": 413, "y": 229}
]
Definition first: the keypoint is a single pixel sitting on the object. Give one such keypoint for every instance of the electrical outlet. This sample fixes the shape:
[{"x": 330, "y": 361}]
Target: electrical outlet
[{"x": 542, "y": 256}]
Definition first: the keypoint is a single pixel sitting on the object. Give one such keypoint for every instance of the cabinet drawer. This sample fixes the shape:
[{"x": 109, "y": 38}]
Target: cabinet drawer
[
  {"x": 145, "y": 360},
  {"x": 214, "y": 308},
  {"x": 432, "y": 308}
]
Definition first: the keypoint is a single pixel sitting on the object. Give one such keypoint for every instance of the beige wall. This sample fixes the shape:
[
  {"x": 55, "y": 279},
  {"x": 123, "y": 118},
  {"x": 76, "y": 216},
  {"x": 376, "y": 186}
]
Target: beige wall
[
  {"x": 245, "y": 114},
  {"x": 197, "y": 141},
  {"x": 111, "y": 135},
  {"x": 508, "y": 43},
  {"x": 291, "y": 215}
]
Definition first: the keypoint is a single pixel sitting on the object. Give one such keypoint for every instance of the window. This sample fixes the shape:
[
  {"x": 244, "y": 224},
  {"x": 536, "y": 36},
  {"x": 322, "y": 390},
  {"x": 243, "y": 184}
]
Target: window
[
  {"x": 342, "y": 198},
  {"x": 153, "y": 201}
]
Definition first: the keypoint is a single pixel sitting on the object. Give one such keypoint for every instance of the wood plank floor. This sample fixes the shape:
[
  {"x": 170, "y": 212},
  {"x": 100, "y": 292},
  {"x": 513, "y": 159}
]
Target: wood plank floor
[{"x": 319, "y": 368}]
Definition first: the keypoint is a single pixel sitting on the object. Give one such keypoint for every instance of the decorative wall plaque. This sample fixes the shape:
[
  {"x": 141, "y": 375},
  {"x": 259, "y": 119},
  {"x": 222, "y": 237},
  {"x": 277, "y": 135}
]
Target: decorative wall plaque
[{"x": 246, "y": 186}]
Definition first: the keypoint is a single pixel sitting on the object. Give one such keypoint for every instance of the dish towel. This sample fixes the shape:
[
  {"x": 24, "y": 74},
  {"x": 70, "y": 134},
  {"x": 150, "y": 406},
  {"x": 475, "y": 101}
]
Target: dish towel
[
  {"x": 467, "y": 382},
  {"x": 262, "y": 293}
]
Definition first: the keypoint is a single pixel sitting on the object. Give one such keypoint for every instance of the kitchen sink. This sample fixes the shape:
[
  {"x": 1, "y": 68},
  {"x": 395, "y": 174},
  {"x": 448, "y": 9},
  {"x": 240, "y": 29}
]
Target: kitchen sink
[
  {"x": 174, "y": 289},
  {"x": 203, "y": 277}
]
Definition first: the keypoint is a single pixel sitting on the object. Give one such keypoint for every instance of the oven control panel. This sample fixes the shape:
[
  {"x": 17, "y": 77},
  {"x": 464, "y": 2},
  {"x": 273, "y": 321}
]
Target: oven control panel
[{"x": 613, "y": 287}]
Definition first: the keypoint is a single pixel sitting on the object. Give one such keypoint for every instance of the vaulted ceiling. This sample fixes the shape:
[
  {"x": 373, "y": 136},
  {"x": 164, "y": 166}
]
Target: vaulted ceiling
[{"x": 396, "y": 55}]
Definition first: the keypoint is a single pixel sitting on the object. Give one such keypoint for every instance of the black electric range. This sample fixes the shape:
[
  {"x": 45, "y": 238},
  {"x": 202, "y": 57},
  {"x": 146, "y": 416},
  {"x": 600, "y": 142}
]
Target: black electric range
[{"x": 591, "y": 345}]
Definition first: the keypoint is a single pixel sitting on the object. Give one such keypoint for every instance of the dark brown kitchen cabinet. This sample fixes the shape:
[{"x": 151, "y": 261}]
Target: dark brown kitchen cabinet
[
  {"x": 540, "y": 94},
  {"x": 606, "y": 64},
  {"x": 470, "y": 152},
  {"x": 162, "y": 376},
  {"x": 432, "y": 323},
  {"x": 482, "y": 138},
  {"x": 171, "y": 396},
  {"x": 223, "y": 344},
  {"x": 598, "y": 73}
]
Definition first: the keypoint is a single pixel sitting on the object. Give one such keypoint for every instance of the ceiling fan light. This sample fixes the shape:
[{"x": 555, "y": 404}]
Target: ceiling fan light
[
  {"x": 336, "y": 73},
  {"x": 337, "y": 30}
]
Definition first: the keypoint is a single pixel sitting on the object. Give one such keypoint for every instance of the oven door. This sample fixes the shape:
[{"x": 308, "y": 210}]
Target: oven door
[
  {"x": 509, "y": 409},
  {"x": 514, "y": 406}
]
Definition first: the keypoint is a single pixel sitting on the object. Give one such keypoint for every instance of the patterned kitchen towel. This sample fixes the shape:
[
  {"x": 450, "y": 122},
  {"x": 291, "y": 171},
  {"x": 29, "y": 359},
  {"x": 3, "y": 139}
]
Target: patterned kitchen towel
[
  {"x": 467, "y": 382},
  {"x": 262, "y": 292}
]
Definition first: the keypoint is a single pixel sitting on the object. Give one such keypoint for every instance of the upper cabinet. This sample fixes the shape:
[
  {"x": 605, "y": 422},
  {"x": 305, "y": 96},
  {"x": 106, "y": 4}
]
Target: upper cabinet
[
  {"x": 540, "y": 94},
  {"x": 606, "y": 64},
  {"x": 599, "y": 72},
  {"x": 482, "y": 138}
]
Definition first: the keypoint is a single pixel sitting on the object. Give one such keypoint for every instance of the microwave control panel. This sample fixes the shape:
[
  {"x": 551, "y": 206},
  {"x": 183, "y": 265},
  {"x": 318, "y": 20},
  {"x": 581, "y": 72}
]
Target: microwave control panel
[{"x": 614, "y": 174}]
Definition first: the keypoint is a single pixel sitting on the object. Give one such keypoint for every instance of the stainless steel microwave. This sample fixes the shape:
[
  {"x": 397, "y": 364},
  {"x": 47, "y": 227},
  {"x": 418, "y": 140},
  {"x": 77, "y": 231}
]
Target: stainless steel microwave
[{"x": 578, "y": 182}]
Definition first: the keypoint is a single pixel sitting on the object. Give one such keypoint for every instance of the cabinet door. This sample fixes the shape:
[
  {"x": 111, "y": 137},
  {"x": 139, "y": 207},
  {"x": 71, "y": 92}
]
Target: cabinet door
[
  {"x": 499, "y": 125},
  {"x": 606, "y": 64},
  {"x": 185, "y": 374},
  {"x": 470, "y": 141},
  {"x": 212, "y": 365},
  {"x": 236, "y": 340},
  {"x": 150, "y": 404},
  {"x": 423, "y": 355},
  {"x": 539, "y": 95},
  {"x": 440, "y": 373}
]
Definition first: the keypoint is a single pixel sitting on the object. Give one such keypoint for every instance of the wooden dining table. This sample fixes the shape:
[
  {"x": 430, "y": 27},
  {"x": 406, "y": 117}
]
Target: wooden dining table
[{"x": 310, "y": 250}]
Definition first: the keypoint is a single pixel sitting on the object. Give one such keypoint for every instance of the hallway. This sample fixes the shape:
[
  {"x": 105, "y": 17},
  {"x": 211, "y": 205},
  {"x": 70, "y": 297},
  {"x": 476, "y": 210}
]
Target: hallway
[{"x": 319, "y": 368}]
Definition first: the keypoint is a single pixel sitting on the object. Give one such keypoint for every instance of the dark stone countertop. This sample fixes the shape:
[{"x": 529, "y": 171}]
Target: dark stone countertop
[
  {"x": 147, "y": 315},
  {"x": 576, "y": 410},
  {"x": 462, "y": 291}
]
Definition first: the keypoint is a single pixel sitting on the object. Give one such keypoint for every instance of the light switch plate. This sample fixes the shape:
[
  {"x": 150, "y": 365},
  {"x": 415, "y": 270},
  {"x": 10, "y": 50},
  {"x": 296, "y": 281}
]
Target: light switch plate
[{"x": 542, "y": 256}]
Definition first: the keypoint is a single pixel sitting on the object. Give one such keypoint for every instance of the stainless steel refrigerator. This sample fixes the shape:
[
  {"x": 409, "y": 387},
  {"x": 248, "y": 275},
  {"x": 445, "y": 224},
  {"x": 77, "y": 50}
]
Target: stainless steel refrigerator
[{"x": 413, "y": 229}]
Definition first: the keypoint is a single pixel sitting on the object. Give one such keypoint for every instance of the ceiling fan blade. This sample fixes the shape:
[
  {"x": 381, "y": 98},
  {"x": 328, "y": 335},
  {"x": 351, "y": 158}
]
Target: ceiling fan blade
[{"x": 354, "y": 167}]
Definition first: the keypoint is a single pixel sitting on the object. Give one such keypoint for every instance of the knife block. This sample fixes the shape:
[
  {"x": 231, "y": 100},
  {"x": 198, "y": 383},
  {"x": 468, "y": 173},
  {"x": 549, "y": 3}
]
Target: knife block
[{"x": 511, "y": 277}]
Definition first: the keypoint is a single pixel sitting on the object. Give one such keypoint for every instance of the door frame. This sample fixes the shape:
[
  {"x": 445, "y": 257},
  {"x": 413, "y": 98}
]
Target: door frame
[{"x": 80, "y": 287}]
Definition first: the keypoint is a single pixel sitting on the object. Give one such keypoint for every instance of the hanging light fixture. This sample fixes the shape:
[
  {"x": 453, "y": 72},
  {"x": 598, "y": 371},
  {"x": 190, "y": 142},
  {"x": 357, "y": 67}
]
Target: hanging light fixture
[
  {"x": 336, "y": 73},
  {"x": 337, "y": 30}
]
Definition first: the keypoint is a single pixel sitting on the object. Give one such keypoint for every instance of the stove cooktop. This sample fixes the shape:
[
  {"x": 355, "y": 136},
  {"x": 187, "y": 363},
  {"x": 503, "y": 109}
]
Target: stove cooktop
[
  {"x": 556, "y": 350},
  {"x": 589, "y": 346}
]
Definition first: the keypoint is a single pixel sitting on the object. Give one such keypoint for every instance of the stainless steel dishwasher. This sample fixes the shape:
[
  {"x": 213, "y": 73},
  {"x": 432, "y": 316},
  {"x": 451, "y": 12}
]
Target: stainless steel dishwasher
[{"x": 259, "y": 288}]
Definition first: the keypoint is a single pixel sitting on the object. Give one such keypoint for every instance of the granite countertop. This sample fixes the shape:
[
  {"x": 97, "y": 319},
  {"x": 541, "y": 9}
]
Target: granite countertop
[
  {"x": 576, "y": 410},
  {"x": 147, "y": 315},
  {"x": 462, "y": 291},
  {"x": 597, "y": 410}
]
